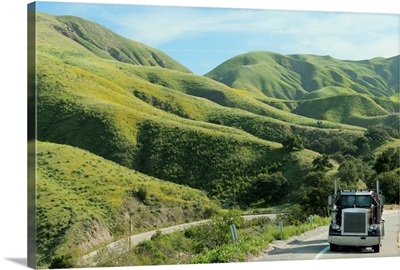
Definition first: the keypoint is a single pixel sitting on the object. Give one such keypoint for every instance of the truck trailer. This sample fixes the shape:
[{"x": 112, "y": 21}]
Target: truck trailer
[{"x": 356, "y": 218}]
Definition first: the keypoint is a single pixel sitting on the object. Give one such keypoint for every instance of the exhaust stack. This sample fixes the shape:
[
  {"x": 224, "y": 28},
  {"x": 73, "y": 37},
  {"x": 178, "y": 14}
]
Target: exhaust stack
[
  {"x": 335, "y": 188},
  {"x": 377, "y": 187}
]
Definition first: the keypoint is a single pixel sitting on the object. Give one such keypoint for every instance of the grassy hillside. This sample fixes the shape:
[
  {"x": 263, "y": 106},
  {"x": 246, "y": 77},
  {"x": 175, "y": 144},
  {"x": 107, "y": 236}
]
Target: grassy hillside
[
  {"x": 99, "y": 41},
  {"x": 340, "y": 108},
  {"x": 84, "y": 201},
  {"x": 372, "y": 85},
  {"x": 293, "y": 76},
  {"x": 99, "y": 104}
]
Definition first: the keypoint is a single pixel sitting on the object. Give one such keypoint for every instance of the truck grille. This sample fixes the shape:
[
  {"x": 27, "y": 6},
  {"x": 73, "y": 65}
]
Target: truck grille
[{"x": 354, "y": 222}]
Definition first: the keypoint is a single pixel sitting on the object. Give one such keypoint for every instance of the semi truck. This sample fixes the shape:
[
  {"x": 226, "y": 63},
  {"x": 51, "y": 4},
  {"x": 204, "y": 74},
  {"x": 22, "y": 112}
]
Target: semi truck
[{"x": 357, "y": 219}]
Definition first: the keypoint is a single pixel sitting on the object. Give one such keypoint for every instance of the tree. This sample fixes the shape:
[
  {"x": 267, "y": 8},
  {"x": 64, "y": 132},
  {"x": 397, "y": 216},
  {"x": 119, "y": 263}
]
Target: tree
[
  {"x": 272, "y": 188},
  {"x": 293, "y": 141},
  {"x": 387, "y": 161},
  {"x": 322, "y": 162},
  {"x": 362, "y": 142},
  {"x": 377, "y": 133},
  {"x": 348, "y": 172},
  {"x": 340, "y": 145},
  {"x": 353, "y": 169},
  {"x": 389, "y": 183},
  {"x": 312, "y": 196},
  {"x": 333, "y": 145}
]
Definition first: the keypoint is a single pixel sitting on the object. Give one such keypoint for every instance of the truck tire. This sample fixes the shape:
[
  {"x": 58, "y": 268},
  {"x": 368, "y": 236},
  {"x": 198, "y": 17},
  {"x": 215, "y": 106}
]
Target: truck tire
[
  {"x": 376, "y": 248},
  {"x": 334, "y": 247}
]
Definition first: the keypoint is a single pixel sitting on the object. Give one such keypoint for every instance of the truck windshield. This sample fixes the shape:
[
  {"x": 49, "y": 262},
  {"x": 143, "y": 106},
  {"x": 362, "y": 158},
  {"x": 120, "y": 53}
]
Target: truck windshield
[{"x": 356, "y": 201}]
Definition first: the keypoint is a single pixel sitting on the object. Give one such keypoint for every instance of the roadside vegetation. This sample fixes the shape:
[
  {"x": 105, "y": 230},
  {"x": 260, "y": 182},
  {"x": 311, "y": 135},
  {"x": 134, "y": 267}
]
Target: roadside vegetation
[{"x": 210, "y": 242}]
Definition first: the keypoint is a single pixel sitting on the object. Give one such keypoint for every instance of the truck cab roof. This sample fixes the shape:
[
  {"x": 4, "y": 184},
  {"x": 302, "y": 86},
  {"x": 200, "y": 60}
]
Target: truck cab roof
[{"x": 357, "y": 192}]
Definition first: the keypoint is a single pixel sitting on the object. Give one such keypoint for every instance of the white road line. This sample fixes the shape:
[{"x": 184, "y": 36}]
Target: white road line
[{"x": 321, "y": 253}]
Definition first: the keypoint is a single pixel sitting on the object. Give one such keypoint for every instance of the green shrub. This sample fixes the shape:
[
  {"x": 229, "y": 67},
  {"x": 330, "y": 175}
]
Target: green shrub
[
  {"x": 149, "y": 249},
  {"x": 142, "y": 193},
  {"x": 156, "y": 236},
  {"x": 62, "y": 261},
  {"x": 388, "y": 160},
  {"x": 292, "y": 141}
]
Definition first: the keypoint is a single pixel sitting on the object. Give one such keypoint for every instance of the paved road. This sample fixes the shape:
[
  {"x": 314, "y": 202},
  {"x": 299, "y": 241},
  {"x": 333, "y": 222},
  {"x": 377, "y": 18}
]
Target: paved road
[{"x": 313, "y": 245}]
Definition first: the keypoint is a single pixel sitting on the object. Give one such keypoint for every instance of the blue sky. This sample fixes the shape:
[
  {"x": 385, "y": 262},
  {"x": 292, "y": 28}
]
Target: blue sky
[{"x": 202, "y": 38}]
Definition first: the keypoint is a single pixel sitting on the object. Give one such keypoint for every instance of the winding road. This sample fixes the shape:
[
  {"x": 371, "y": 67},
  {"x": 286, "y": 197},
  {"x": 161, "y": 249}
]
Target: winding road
[
  {"x": 313, "y": 245},
  {"x": 122, "y": 246}
]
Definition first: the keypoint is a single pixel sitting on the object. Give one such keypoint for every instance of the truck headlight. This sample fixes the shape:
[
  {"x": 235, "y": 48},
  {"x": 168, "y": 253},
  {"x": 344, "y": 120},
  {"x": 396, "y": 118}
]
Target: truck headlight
[
  {"x": 336, "y": 227},
  {"x": 372, "y": 227}
]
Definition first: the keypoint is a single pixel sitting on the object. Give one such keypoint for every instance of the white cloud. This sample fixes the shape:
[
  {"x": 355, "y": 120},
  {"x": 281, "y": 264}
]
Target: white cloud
[
  {"x": 166, "y": 24},
  {"x": 354, "y": 36},
  {"x": 334, "y": 33},
  {"x": 342, "y": 35},
  {"x": 172, "y": 23}
]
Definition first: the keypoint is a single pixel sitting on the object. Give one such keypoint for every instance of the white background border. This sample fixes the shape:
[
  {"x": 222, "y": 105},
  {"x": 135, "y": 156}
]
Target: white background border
[{"x": 13, "y": 177}]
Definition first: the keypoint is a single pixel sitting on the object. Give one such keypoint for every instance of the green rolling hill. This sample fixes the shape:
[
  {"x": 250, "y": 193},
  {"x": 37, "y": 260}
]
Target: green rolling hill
[
  {"x": 102, "y": 42},
  {"x": 295, "y": 76},
  {"x": 84, "y": 201},
  {"x": 99, "y": 104},
  {"x": 368, "y": 89}
]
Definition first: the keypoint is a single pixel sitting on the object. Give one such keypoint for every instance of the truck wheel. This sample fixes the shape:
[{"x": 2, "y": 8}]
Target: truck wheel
[
  {"x": 334, "y": 247},
  {"x": 376, "y": 248}
]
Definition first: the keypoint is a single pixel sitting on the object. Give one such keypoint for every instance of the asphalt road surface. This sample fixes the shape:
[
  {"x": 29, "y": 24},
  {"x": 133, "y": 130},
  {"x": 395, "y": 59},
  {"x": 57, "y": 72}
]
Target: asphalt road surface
[{"x": 313, "y": 245}]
